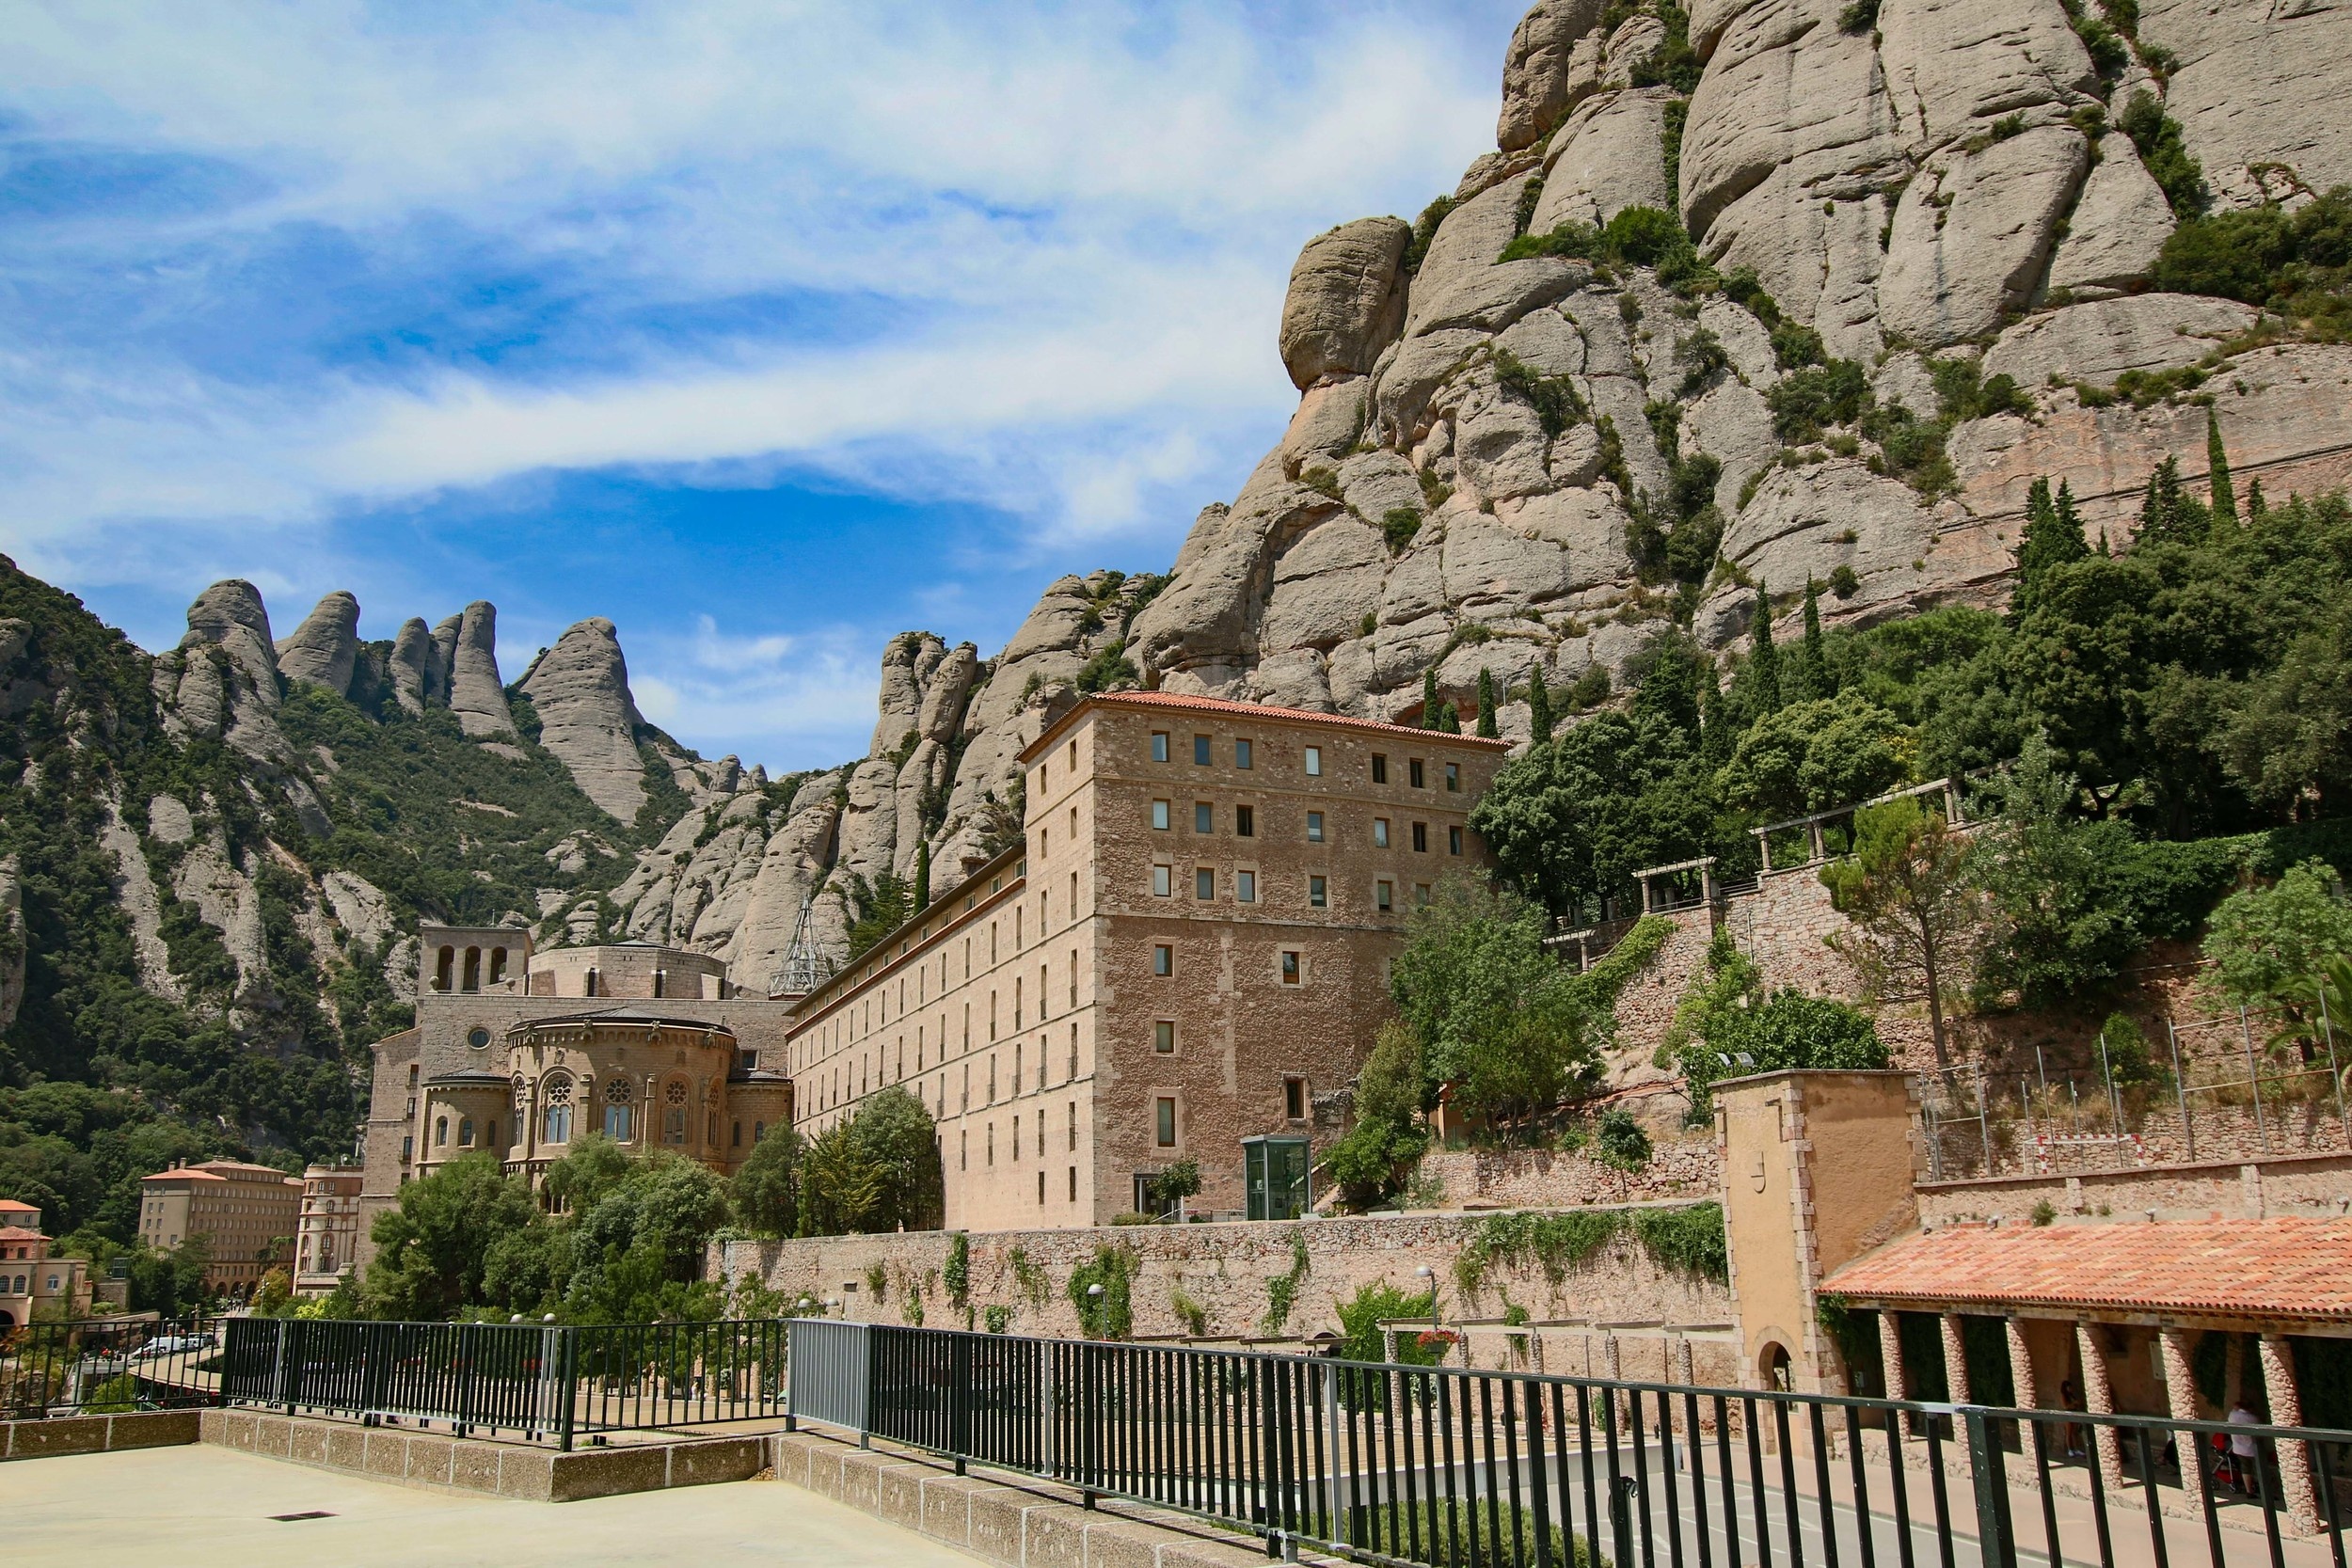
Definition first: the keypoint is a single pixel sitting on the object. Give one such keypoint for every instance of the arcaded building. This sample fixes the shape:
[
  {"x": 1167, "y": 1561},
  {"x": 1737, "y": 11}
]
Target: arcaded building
[
  {"x": 521, "y": 1053},
  {"x": 1186, "y": 958}
]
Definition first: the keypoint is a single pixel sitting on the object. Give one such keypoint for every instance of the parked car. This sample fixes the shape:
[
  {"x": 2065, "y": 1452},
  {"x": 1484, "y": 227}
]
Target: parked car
[{"x": 171, "y": 1344}]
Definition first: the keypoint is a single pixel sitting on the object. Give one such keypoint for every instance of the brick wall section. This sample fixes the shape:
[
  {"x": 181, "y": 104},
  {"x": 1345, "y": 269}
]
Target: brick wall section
[
  {"x": 1226, "y": 1269},
  {"x": 2293, "y": 1184}
]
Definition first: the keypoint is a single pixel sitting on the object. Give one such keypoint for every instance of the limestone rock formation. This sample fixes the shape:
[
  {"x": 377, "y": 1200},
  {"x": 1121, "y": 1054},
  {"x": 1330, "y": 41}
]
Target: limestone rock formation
[
  {"x": 415, "y": 668},
  {"x": 1346, "y": 300},
  {"x": 1539, "y": 69},
  {"x": 221, "y": 682},
  {"x": 2260, "y": 92},
  {"x": 580, "y": 690},
  {"x": 476, "y": 694},
  {"x": 325, "y": 649}
]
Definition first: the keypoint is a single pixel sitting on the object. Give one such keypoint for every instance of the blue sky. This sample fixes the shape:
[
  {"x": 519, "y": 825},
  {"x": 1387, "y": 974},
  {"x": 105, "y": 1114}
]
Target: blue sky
[{"x": 766, "y": 330}]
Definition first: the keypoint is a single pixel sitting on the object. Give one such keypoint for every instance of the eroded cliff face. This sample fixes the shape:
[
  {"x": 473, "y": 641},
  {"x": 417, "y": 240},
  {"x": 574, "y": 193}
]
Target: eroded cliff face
[{"x": 1491, "y": 460}]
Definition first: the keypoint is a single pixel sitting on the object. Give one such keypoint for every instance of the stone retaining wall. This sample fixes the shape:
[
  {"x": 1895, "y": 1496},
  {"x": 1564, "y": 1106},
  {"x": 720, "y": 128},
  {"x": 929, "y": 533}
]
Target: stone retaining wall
[
  {"x": 1683, "y": 1171},
  {"x": 444, "y": 1464},
  {"x": 1225, "y": 1268},
  {"x": 2312, "y": 1183},
  {"x": 64, "y": 1434}
]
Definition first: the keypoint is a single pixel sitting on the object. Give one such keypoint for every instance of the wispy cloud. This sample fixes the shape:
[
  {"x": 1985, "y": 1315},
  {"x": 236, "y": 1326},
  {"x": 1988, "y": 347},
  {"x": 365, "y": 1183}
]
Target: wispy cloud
[{"x": 274, "y": 266}]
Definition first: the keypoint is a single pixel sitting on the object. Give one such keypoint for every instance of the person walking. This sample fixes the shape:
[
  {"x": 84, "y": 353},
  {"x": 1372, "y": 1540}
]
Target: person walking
[{"x": 2244, "y": 1455}]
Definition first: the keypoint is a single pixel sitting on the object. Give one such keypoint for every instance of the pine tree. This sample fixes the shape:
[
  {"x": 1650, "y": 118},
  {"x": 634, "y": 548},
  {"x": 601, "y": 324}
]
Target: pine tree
[
  {"x": 2170, "y": 515},
  {"x": 2256, "y": 508},
  {"x": 1813, "y": 679},
  {"x": 922, "y": 876},
  {"x": 2217, "y": 467},
  {"x": 1717, "y": 733},
  {"x": 1539, "y": 706},
  {"x": 1764, "y": 662},
  {"x": 1449, "y": 718},
  {"x": 2053, "y": 537},
  {"x": 1486, "y": 726},
  {"x": 1429, "y": 698}
]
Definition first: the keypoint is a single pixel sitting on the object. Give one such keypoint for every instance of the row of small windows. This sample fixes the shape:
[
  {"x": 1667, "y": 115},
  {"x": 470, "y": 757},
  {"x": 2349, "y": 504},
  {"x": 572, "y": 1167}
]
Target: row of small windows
[
  {"x": 1291, "y": 966},
  {"x": 1310, "y": 761},
  {"x": 1246, "y": 826}
]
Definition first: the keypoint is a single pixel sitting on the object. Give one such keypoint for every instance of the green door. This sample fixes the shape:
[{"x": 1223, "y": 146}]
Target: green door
[{"x": 1275, "y": 1176}]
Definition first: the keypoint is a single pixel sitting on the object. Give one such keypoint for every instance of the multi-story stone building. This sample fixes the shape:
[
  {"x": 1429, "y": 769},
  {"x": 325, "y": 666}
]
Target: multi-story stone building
[
  {"x": 519, "y": 1053},
  {"x": 247, "y": 1215},
  {"x": 1185, "y": 959},
  {"x": 328, "y": 1240}
]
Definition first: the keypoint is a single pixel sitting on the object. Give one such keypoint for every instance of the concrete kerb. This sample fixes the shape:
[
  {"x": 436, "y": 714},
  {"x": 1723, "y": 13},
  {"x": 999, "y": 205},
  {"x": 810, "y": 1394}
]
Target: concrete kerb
[
  {"x": 437, "y": 1462},
  {"x": 69, "y": 1435},
  {"x": 1012, "y": 1521}
]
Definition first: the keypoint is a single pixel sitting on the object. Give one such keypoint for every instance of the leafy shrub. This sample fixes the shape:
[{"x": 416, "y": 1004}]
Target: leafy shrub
[
  {"x": 1858, "y": 17},
  {"x": 1843, "y": 582},
  {"x": 1109, "y": 670},
  {"x": 1691, "y": 1239},
  {"x": 1424, "y": 230},
  {"x": 1110, "y": 1314},
  {"x": 1281, "y": 1291},
  {"x": 2157, "y": 135},
  {"x": 1806, "y": 400},
  {"x": 1620, "y": 1142},
  {"x": 1554, "y": 398},
  {"x": 1795, "y": 346}
]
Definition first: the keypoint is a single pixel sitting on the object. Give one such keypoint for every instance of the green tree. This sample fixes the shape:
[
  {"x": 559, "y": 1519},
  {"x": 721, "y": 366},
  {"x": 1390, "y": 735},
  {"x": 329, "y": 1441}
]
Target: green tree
[
  {"x": 2269, "y": 945},
  {"x": 1811, "y": 678},
  {"x": 1763, "y": 668},
  {"x": 1369, "y": 1162},
  {"x": 430, "y": 1250},
  {"x": 1487, "y": 725},
  {"x": 1449, "y": 718},
  {"x": 1726, "y": 1026},
  {"x": 1539, "y": 706},
  {"x": 2286, "y": 734},
  {"x": 2053, "y": 537},
  {"x": 878, "y": 1170},
  {"x": 1179, "y": 1181},
  {"x": 1815, "y": 756},
  {"x": 922, "y": 876},
  {"x": 766, "y": 1187},
  {"x": 2218, "y": 466},
  {"x": 2063, "y": 920},
  {"x": 1916, "y": 918},
  {"x": 1496, "y": 1014},
  {"x": 1430, "y": 715}
]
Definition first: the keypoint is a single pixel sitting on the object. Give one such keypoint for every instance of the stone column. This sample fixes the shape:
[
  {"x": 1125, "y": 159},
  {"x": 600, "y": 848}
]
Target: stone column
[
  {"x": 1955, "y": 1361},
  {"x": 1898, "y": 1376},
  {"x": 2180, "y": 1382},
  {"x": 2286, "y": 1410},
  {"x": 2020, "y": 1366},
  {"x": 2099, "y": 1399}
]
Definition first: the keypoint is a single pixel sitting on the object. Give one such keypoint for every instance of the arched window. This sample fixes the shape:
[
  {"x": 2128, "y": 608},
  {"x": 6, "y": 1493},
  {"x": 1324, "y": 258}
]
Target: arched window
[
  {"x": 760, "y": 1131},
  {"x": 673, "y": 1114},
  {"x": 464, "y": 1131},
  {"x": 498, "y": 965},
  {"x": 440, "y": 1131},
  {"x": 556, "y": 1116},
  {"x": 619, "y": 1115},
  {"x": 736, "y": 1136},
  {"x": 490, "y": 1133},
  {"x": 588, "y": 986},
  {"x": 474, "y": 968},
  {"x": 441, "y": 968}
]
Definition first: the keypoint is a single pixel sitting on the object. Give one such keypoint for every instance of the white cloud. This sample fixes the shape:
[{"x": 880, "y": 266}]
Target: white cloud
[{"x": 788, "y": 701}]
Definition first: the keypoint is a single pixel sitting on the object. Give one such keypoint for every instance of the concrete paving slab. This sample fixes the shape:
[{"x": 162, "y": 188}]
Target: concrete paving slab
[{"x": 210, "y": 1507}]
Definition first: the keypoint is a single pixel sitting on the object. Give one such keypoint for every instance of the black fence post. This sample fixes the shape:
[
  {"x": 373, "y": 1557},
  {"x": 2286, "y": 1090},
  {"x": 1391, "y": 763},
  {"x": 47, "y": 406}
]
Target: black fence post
[
  {"x": 960, "y": 1399},
  {"x": 1997, "y": 1541},
  {"x": 566, "y": 1383}
]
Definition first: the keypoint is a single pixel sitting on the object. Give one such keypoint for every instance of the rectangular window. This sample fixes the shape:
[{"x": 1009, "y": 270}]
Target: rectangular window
[
  {"x": 1317, "y": 894},
  {"x": 1453, "y": 777},
  {"x": 1413, "y": 769},
  {"x": 1160, "y": 881},
  {"x": 1380, "y": 833},
  {"x": 1384, "y": 895},
  {"x": 1203, "y": 818},
  {"x": 1163, "y": 960},
  {"x": 1294, "y": 1099},
  {"x": 1201, "y": 751},
  {"x": 1164, "y": 1037},
  {"x": 1421, "y": 894},
  {"x": 1453, "y": 840},
  {"x": 1420, "y": 838},
  {"x": 1159, "y": 745},
  {"x": 1379, "y": 768},
  {"x": 1314, "y": 826},
  {"x": 1246, "y": 887},
  {"x": 1245, "y": 822},
  {"x": 1289, "y": 967},
  {"x": 1163, "y": 1122},
  {"x": 1242, "y": 754},
  {"x": 1204, "y": 885},
  {"x": 1159, "y": 817},
  {"x": 1315, "y": 762}
]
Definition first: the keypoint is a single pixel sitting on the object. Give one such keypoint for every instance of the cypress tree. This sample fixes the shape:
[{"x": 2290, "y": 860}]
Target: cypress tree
[
  {"x": 2170, "y": 515},
  {"x": 1764, "y": 662},
  {"x": 1813, "y": 678},
  {"x": 1486, "y": 705},
  {"x": 1716, "y": 730},
  {"x": 2053, "y": 537},
  {"x": 922, "y": 876},
  {"x": 1450, "y": 719},
  {"x": 2217, "y": 467},
  {"x": 2256, "y": 507},
  {"x": 1539, "y": 705},
  {"x": 1429, "y": 698}
]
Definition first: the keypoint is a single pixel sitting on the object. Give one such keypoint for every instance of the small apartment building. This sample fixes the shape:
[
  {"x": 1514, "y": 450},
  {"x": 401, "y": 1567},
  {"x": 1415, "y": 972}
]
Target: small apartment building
[
  {"x": 518, "y": 1051},
  {"x": 328, "y": 1240},
  {"x": 32, "y": 1282},
  {"x": 1185, "y": 956},
  {"x": 247, "y": 1215}
]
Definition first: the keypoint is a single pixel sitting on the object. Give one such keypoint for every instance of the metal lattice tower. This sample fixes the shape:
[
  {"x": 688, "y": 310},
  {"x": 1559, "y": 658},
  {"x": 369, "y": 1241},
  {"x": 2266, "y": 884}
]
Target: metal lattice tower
[{"x": 802, "y": 971}]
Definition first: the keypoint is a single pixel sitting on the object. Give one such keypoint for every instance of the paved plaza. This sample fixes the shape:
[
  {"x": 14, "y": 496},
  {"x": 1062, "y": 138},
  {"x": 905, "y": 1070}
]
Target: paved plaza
[{"x": 205, "y": 1507}]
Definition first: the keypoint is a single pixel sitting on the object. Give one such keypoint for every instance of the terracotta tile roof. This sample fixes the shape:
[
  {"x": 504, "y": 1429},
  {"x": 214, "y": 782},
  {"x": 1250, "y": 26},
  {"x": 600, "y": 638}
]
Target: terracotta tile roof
[
  {"x": 2286, "y": 1267},
  {"x": 1178, "y": 702},
  {"x": 18, "y": 1233},
  {"x": 11, "y": 1206}
]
